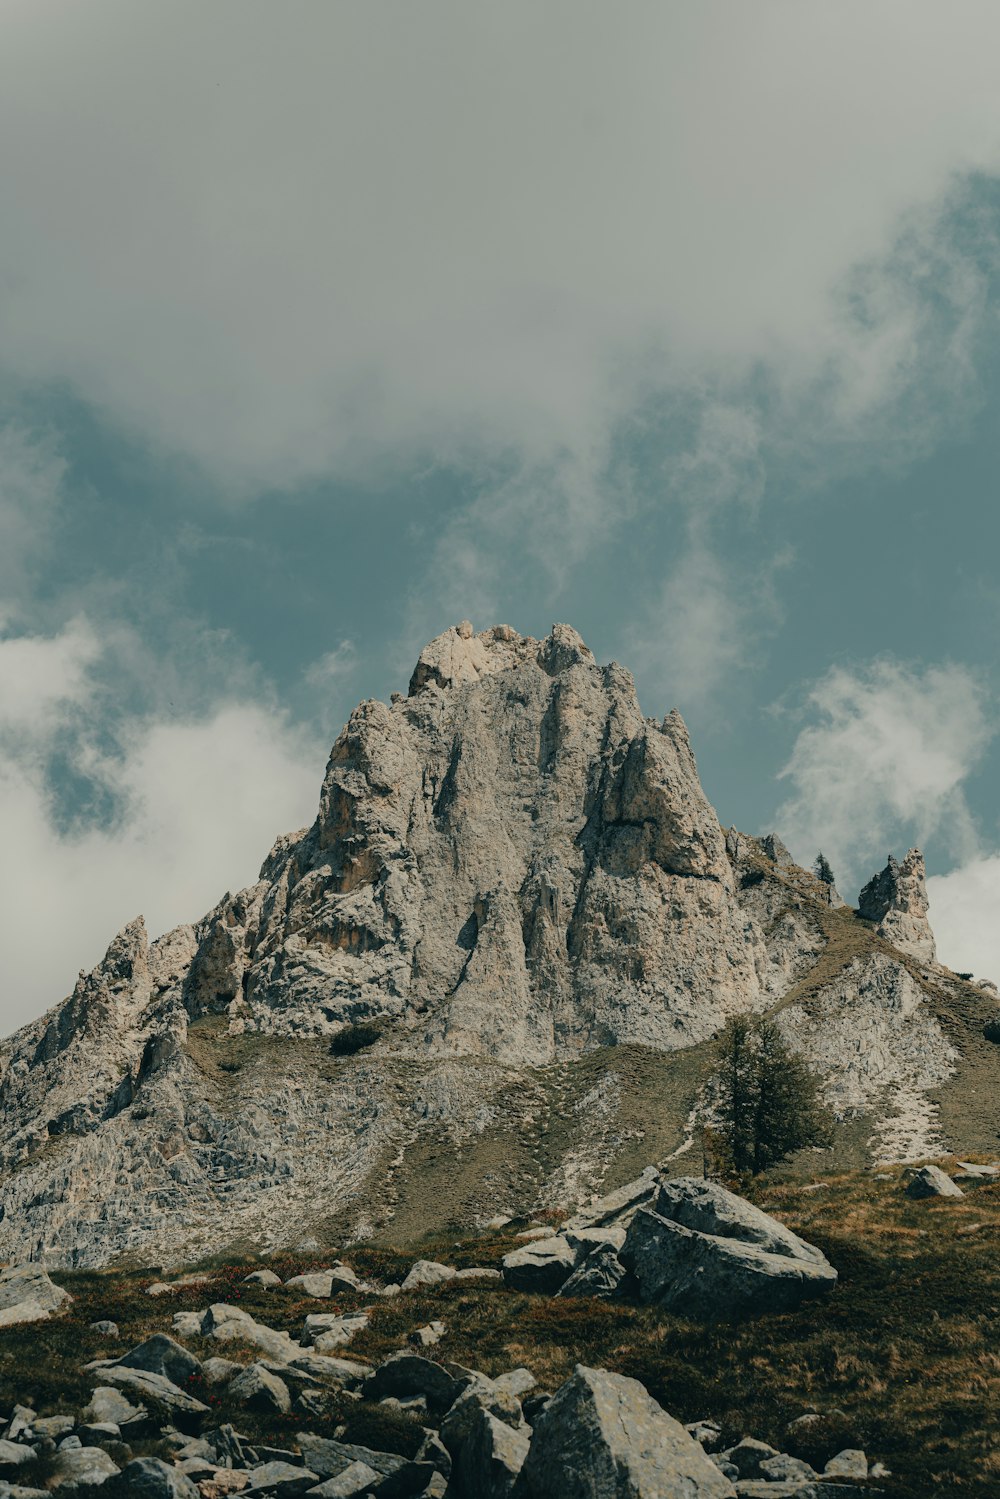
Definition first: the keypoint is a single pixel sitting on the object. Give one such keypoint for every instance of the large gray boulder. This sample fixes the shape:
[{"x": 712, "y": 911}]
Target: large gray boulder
[
  {"x": 615, "y": 1208},
  {"x": 487, "y": 1452},
  {"x": 161, "y": 1355},
  {"x": 285, "y": 1479},
  {"x": 399, "y": 1476},
  {"x": 14, "y": 1455},
  {"x": 84, "y": 1467},
  {"x": 406, "y": 1374},
  {"x": 232, "y": 1324},
  {"x": 931, "y": 1181},
  {"x": 149, "y": 1478},
  {"x": 708, "y": 1208},
  {"x": 602, "y": 1436},
  {"x": 260, "y": 1390},
  {"x": 28, "y": 1295},
  {"x": 540, "y": 1266},
  {"x": 156, "y": 1387},
  {"x": 600, "y": 1274},
  {"x": 704, "y": 1276}
]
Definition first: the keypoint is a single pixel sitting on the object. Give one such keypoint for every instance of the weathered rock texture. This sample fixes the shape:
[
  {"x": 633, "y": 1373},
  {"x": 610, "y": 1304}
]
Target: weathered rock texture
[
  {"x": 896, "y": 899},
  {"x": 518, "y": 878}
]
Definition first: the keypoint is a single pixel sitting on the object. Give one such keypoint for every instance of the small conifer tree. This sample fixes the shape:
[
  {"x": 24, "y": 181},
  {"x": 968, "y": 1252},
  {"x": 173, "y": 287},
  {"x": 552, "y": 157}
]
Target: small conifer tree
[
  {"x": 822, "y": 870},
  {"x": 767, "y": 1100}
]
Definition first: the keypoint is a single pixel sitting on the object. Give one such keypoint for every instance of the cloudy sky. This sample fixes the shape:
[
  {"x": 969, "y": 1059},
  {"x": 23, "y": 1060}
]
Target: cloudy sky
[{"x": 323, "y": 327}]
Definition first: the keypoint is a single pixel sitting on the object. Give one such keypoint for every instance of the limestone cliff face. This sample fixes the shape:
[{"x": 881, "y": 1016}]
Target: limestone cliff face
[
  {"x": 896, "y": 900},
  {"x": 510, "y": 861},
  {"x": 520, "y": 878}
]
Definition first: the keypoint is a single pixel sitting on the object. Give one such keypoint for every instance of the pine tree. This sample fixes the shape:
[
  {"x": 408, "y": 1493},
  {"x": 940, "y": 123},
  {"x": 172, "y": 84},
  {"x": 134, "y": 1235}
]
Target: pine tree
[
  {"x": 767, "y": 1100},
  {"x": 822, "y": 870}
]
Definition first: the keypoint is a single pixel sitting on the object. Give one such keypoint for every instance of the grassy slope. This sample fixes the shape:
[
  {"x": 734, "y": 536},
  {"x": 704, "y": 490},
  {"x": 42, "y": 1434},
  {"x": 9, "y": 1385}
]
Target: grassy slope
[{"x": 907, "y": 1346}]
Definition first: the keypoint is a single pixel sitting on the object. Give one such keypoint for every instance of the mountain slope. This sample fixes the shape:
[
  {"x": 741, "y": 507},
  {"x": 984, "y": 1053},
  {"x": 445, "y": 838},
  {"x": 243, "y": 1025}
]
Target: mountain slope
[{"x": 519, "y": 879}]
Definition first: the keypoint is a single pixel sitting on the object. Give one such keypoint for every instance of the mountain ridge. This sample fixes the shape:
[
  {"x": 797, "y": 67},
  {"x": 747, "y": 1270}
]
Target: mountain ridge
[{"x": 517, "y": 878}]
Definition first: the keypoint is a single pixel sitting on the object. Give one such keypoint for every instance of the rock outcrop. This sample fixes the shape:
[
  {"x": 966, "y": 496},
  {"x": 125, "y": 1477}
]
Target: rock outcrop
[
  {"x": 515, "y": 907},
  {"x": 683, "y": 1243},
  {"x": 896, "y": 900}
]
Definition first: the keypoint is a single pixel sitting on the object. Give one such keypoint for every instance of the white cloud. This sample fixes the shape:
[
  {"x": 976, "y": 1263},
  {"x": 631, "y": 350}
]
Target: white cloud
[
  {"x": 285, "y": 248},
  {"x": 41, "y": 677},
  {"x": 884, "y": 762},
  {"x": 332, "y": 666},
  {"x": 198, "y": 803},
  {"x": 695, "y": 634},
  {"x": 965, "y": 916}
]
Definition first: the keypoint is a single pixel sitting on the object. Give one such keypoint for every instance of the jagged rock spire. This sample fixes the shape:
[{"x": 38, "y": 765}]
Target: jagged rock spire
[{"x": 896, "y": 899}]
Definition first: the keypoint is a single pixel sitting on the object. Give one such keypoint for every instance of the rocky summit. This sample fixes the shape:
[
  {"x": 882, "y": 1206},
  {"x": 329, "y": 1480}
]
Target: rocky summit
[{"x": 484, "y": 981}]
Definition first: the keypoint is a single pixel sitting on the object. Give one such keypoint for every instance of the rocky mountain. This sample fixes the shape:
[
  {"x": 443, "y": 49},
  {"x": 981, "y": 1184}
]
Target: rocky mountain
[{"x": 516, "y": 890}]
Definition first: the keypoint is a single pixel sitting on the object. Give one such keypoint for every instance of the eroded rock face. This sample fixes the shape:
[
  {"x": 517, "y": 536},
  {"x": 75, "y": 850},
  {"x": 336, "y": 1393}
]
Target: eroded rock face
[
  {"x": 896, "y": 898},
  {"x": 510, "y": 868},
  {"x": 512, "y": 860}
]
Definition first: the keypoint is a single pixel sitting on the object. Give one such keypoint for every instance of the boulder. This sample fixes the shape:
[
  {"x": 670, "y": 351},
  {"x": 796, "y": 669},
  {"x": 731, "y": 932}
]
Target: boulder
[
  {"x": 583, "y": 1241},
  {"x": 352, "y": 1482},
  {"x": 705, "y": 1252},
  {"x": 21, "y": 1422},
  {"x": 931, "y": 1181},
  {"x": 516, "y": 1382},
  {"x": 600, "y": 1274},
  {"x": 747, "y": 1456},
  {"x": 219, "y": 1370},
  {"x": 400, "y": 1476},
  {"x": 785, "y": 1469},
  {"x": 487, "y": 1452},
  {"x": 227, "y": 1445},
  {"x": 603, "y": 1436},
  {"x": 707, "y": 1208},
  {"x": 541, "y": 1266},
  {"x": 105, "y": 1328},
  {"x": 98, "y": 1433},
  {"x": 14, "y": 1455},
  {"x": 318, "y": 1283},
  {"x": 850, "y": 1463},
  {"x": 406, "y": 1374},
  {"x": 233, "y": 1324},
  {"x": 287, "y": 1479},
  {"x": 108, "y": 1404},
  {"x": 149, "y": 1478},
  {"x": 427, "y": 1336},
  {"x": 477, "y": 1272},
  {"x": 347, "y": 1372},
  {"x": 161, "y": 1355},
  {"x": 705, "y": 1277},
  {"x": 618, "y": 1207},
  {"x": 187, "y": 1324},
  {"x": 262, "y": 1278},
  {"x": 427, "y": 1273},
  {"x": 84, "y": 1467},
  {"x": 157, "y": 1387},
  {"x": 329, "y": 1330},
  {"x": 53, "y": 1426},
  {"x": 29, "y": 1286},
  {"x": 973, "y": 1171},
  {"x": 260, "y": 1390}
]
